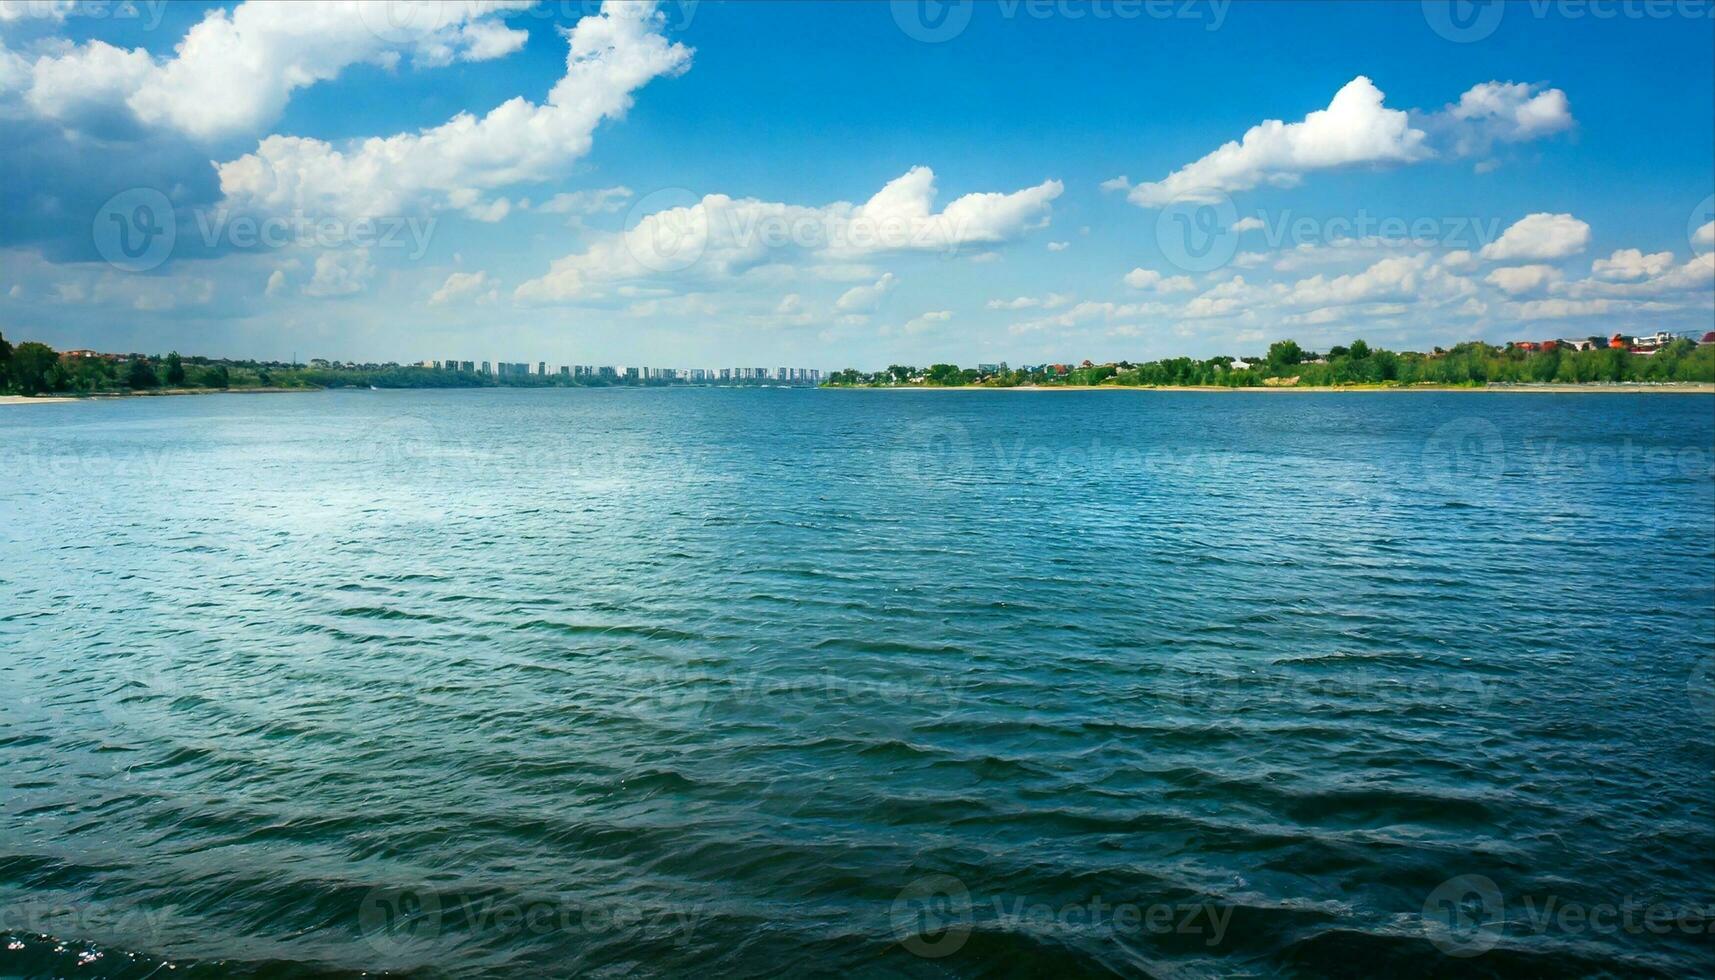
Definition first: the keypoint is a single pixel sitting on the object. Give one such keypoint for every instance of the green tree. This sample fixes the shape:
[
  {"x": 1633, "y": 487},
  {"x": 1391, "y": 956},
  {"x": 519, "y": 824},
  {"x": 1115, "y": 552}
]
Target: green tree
[
  {"x": 175, "y": 370},
  {"x": 945, "y": 374},
  {"x": 140, "y": 375},
  {"x": 5, "y": 357},
  {"x": 1284, "y": 354},
  {"x": 31, "y": 367},
  {"x": 1359, "y": 350}
]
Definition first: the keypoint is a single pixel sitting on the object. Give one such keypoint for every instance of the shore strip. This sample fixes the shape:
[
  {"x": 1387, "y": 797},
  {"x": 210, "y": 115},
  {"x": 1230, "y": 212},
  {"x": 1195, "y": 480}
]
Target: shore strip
[{"x": 1664, "y": 388}]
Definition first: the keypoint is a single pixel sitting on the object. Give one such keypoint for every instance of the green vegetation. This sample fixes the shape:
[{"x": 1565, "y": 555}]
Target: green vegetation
[
  {"x": 1286, "y": 364},
  {"x": 37, "y": 369}
]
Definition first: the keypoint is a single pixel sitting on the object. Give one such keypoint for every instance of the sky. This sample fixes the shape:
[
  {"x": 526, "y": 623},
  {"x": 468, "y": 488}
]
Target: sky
[{"x": 693, "y": 183}]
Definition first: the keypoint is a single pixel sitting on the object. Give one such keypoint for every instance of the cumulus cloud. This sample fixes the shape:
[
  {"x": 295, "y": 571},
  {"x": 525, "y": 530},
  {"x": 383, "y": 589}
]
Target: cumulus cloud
[
  {"x": 719, "y": 237},
  {"x": 581, "y": 204},
  {"x": 1537, "y": 237},
  {"x": 865, "y": 299},
  {"x": 927, "y": 321},
  {"x": 1150, "y": 279},
  {"x": 1630, "y": 265},
  {"x": 1357, "y": 129},
  {"x": 1059, "y": 246},
  {"x": 1505, "y": 112},
  {"x": 610, "y": 55},
  {"x": 1087, "y": 311},
  {"x": 460, "y": 285},
  {"x": 1519, "y": 279},
  {"x": 234, "y": 71},
  {"x": 1354, "y": 129},
  {"x": 340, "y": 273},
  {"x": 1391, "y": 278},
  {"x": 1049, "y": 302},
  {"x": 1696, "y": 274}
]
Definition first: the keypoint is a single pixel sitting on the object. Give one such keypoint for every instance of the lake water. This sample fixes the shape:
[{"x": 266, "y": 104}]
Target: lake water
[{"x": 858, "y": 682}]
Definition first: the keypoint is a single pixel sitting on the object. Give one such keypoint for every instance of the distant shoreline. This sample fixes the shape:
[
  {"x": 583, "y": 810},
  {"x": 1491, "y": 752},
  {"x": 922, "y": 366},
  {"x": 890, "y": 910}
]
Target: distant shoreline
[
  {"x": 1595, "y": 388},
  {"x": 157, "y": 393},
  {"x": 1619, "y": 387}
]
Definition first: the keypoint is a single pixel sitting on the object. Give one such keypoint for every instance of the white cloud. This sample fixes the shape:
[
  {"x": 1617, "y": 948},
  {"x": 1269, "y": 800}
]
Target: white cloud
[
  {"x": 1506, "y": 112},
  {"x": 1519, "y": 279},
  {"x": 1556, "y": 309},
  {"x": 276, "y": 283},
  {"x": 1459, "y": 260},
  {"x": 1539, "y": 236},
  {"x": 1630, "y": 265},
  {"x": 340, "y": 273},
  {"x": 1251, "y": 223},
  {"x": 460, "y": 285},
  {"x": 1059, "y": 246},
  {"x": 1150, "y": 279},
  {"x": 1355, "y": 129},
  {"x": 1086, "y": 311},
  {"x": 234, "y": 71},
  {"x": 610, "y": 56},
  {"x": 865, "y": 299},
  {"x": 1391, "y": 278},
  {"x": 1697, "y": 274},
  {"x": 927, "y": 321},
  {"x": 719, "y": 237},
  {"x": 578, "y": 204},
  {"x": 1704, "y": 235},
  {"x": 489, "y": 212},
  {"x": 1049, "y": 302}
]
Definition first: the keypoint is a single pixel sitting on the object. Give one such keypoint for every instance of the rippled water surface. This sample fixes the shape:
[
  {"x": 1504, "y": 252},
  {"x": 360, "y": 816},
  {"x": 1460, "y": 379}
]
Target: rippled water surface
[{"x": 816, "y": 682}]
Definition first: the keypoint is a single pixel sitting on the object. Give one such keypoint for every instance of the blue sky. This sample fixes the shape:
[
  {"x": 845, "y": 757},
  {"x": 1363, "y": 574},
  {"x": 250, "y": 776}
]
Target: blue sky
[{"x": 702, "y": 184}]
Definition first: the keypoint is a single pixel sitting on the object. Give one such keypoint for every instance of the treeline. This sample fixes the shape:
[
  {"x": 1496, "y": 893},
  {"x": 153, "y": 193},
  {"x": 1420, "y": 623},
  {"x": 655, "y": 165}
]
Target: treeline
[
  {"x": 32, "y": 368},
  {"x": 1469, "y": 364}
]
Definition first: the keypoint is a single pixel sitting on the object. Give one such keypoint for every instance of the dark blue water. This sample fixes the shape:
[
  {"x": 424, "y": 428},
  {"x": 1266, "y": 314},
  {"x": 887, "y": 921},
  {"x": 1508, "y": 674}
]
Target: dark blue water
[{"x": 877, "y": 683}]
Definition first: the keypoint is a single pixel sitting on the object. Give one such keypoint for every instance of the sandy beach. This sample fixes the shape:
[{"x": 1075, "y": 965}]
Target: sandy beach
[
  {"x": 158, "y": 393},
  {"x": 27, "y": 400}
]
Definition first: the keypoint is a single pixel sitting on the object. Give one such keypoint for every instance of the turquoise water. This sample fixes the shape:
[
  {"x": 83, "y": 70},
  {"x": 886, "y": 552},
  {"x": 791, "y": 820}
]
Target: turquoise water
[{"x": 877, "y": 683}]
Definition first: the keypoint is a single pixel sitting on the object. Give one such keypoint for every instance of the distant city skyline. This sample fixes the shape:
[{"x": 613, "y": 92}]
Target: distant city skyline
[{"x": 698, "y": 183}]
